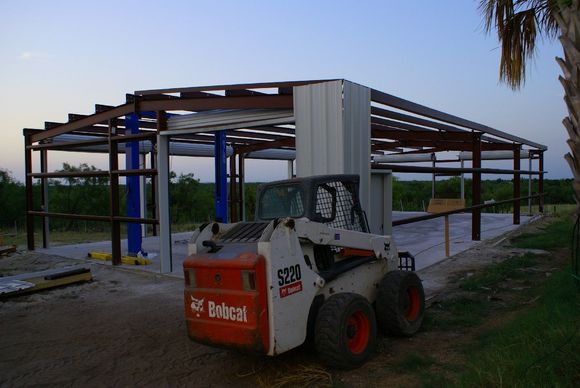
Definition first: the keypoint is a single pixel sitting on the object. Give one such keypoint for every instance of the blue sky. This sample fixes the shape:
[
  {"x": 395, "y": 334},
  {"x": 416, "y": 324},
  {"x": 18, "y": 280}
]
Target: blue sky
[{"x": 64, "y": 56}]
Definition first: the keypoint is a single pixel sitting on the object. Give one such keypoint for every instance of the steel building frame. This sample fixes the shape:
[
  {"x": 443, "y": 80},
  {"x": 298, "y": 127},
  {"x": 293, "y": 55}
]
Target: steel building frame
[{"x": 398, "y": 126}]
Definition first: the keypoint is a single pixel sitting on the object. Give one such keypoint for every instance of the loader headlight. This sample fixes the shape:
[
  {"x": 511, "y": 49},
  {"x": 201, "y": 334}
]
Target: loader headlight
[
  {"x": 249, "y": 280},
  {"x": 189, "y": 275}
]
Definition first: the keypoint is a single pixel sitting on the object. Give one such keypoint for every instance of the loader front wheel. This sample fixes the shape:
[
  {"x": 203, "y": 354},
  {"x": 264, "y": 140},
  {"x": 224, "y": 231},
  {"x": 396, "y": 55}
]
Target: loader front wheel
[
  {"x": 400, "y": 304},
  {"x": 345, "y": 331}
]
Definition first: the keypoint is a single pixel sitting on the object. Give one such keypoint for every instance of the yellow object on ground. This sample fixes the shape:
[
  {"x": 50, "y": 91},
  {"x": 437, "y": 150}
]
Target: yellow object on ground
[
  {"x": 37, "y": 281},
  {"x": 128, "y": 260},
  {"x": 440, "y": 205}
]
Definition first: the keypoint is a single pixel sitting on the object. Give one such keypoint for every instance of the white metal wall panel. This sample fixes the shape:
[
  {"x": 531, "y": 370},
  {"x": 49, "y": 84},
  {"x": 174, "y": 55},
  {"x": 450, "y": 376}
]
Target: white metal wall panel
[
  {"x": 319, "y": 127},
  {"x": 380, "y": 216},
  {"x": 333, "y": 131},
  {"x": 357, "y": 137}
]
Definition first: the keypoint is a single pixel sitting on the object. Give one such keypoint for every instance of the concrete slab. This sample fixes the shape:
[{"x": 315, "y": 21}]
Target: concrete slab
[{"x": 425, "y": 240}]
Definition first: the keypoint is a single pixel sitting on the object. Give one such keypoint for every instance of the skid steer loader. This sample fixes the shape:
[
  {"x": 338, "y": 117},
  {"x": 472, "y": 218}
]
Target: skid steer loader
[{"x": 306, "y": 268}]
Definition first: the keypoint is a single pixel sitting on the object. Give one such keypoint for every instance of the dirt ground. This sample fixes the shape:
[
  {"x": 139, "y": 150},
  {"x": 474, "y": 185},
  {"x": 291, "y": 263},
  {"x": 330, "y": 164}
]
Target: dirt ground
[{"x": 126, "y": 328}]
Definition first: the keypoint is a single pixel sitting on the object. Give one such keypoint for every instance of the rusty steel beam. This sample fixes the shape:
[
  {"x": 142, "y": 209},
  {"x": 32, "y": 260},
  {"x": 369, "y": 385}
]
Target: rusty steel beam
[
  {"x": 68, "y": 174},
  {"x": 457, "y": 211},
  {"x": 412, "y": 119},
  {"x": 200, "y": 104},
  {"x": 290, "y": 142},
  {"x": 243, "y": 92},
  {"x": 114, "y": 197},
  {"x": 121, "y": 110},
  {"x": 446, "y": 170},
  {"x": 413, "y": 107},
  {"x": 44, "y": 196},
  {"x": 378, "y": 132},
  {"x": 28, "y": 192},
  {"x": 263, "y": 85}
]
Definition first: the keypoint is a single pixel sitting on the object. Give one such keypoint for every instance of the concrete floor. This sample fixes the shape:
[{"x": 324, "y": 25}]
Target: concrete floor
[{"x": 425, "y": 240}]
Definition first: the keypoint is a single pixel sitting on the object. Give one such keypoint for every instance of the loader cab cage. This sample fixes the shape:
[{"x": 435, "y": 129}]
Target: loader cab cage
[{"x": 328, "y": 199}]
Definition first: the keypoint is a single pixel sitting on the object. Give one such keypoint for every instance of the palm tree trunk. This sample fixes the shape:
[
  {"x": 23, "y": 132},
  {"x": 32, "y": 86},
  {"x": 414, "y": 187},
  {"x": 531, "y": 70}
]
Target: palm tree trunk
[{"x": 568, "y": 20}]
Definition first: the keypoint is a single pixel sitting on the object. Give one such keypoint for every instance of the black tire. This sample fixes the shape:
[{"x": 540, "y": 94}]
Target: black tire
[
  {"x": 345, "y": 333},
  {"x": 400, "y": 303}
]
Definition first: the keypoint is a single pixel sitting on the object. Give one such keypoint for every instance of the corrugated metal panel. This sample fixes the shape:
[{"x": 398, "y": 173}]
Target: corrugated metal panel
[
  {"x": 319, "y": 129},
  {"x": 333, "y": 131},
  {"x": 494, "y": 155},
  {"x": 178, "y": 149},
  {"x": 228, "y": 119},
  {"x": 357, "y": 137}
]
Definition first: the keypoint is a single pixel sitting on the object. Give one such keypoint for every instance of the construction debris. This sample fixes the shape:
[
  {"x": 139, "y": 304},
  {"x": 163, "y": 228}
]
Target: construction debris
[
  {"x": 7, "y": 249},
  {"x": 36, "y": 281},
  {"x": 128, "y": 260}
]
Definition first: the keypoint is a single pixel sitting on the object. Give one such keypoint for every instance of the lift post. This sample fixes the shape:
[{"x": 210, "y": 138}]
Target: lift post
[
  {"x": 133, "y": 192},
  {"x": 221, "y": 177}
]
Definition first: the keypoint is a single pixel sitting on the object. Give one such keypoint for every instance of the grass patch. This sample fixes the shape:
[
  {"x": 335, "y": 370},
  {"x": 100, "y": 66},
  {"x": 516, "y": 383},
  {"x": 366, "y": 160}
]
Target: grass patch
[
  {"x": 557, "y": 234},
  {"x": 461, "y": 312},
  {"x": 498, "y": 272},
  {"x": 414, "y": 362},
  {"x": 538, "y": 348}
]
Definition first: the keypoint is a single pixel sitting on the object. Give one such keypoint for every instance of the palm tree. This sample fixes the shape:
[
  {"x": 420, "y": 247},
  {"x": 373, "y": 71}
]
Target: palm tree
[{"x": 519, "y": 23}]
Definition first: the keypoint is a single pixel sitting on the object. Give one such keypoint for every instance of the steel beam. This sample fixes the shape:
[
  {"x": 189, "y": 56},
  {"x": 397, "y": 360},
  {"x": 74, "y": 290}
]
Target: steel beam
[
  {"x": 29, "y": 188},
  {"x": 221, "y": 178},
  {"x": 541, "y": 182},
  {"x": 44, "y": 198},
  {"x": 516, "y": 185},
  {"x": 163, "y": 197},
  {"x": 132, "y": 186},
  {"x": 121, "y": 110},
  {"x": 476, "y": 188},
  {"x": 114, "y": 197},
  {"x": 412, "y": 107},
  {"x": 201, "y": 104},
  {"x": 261, "y": 85}
]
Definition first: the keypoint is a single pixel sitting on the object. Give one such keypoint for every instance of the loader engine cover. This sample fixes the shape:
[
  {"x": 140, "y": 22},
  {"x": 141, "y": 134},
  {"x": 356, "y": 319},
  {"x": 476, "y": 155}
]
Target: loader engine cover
[{"x": 225, "y": 300}]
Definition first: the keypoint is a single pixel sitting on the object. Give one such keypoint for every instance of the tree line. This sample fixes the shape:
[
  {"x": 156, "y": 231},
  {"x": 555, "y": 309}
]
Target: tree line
[{"x": 192, "y": 201}]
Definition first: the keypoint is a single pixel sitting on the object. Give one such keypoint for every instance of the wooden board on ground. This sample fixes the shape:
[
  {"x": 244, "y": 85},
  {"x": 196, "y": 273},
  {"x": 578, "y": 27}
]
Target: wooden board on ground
[
  {"x": 36, "y": 281},
  {"x": 7, "y": 249}
]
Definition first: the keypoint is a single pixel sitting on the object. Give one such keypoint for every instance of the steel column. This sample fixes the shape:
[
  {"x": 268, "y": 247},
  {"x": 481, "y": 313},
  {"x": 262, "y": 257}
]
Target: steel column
[
  {"x": 163, "y": 197},
  {"x": 114, "y": 196},
  {"x": 29, "y": 199},
  {"x": 242, "y": 194},
  {"x": 290, "y": 169},
  {"x": 530, "y": 184},
  {"x": 154, "y": 180},
  {"x": 44, "y": 197},
  {"x": 143, "y": 193},
  {"x": 433, "y": 181},
  {"x": 476, "y": 189},
  {"x": 516, "y": 214},
  {"x": 541, "y": 181},
  {"x": 134, "y": 236},
  {"x": 462, "y": 181},
  {"x": 221, "y": 177},
  {"x": 233, "y": 190}
]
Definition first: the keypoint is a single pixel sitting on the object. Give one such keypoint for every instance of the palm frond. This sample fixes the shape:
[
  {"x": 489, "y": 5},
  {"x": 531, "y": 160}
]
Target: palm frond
[{"x": 518, "y": 24}]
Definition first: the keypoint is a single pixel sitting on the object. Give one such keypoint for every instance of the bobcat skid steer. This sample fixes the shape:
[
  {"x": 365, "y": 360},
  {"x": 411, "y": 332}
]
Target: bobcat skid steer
[{"x": 307, "y": 267}]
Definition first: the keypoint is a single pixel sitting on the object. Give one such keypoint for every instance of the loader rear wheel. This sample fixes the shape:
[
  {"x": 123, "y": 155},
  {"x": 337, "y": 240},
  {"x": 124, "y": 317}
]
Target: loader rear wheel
[
  {"x": 400, "y": 304},
  {"x": 345, "y": 333}
]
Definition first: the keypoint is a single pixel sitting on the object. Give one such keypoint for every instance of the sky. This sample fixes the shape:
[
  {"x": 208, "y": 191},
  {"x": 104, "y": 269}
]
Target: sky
[{"x": 60, "y": 57}]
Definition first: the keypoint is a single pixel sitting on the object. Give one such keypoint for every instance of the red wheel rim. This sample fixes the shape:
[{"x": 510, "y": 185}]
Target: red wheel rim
[
  {"x": 358, "y": 332},
  {"x": 413, "y": 304}
]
